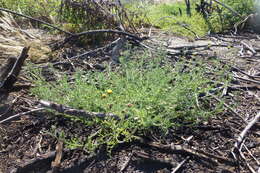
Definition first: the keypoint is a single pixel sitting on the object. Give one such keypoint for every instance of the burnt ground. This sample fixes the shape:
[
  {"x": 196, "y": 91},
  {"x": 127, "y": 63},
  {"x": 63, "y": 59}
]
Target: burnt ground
[{"x": 29, "y": 143}]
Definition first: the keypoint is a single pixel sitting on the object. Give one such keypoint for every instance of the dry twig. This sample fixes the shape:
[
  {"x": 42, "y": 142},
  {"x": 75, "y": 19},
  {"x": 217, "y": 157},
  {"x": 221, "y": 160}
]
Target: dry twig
[
  {"x": 126, "y": 163},
  {"x": 180, "y": 165},
  {"x": 246, "y": 129},
  {"x": 248, "y": 80},
  {"x": 193, "y": 152},
  {"x": 147, "y": 156},
  {"x": 241, "y": 71},
  {"x": 250, "y": 48},
  {"x": 20, "y": 114},
  {"x": 90, "y": 32}
]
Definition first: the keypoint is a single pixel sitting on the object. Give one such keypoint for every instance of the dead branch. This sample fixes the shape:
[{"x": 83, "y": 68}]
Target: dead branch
[
  {"x": 242, "y": 22},
  {"x": 180, "y": 165},
  {"x": 9, "y": 80},
  {"x": 37, "y": 20},
  {"x": 90, "y": 32},
  {"x": 250, "y": 153},
  {"x": 20, "y": 114},
  {"x": 248, "y": 80},
  {"x": 250, "y": 48},
  {"x": 241, "y": 71},
  {"x": 118, "y": 43},
  {"x": 198, "y": 46},
  {"x": 246, "y": 129},
  {"x": 126, "y": 163},
  {"x": 244, "y": 159},
  {"x": 88, "y": 53},
  {"x": 193, "y": 152},
  {"x": 75, "y": 112},
  {"x": 155, "y": 159}
]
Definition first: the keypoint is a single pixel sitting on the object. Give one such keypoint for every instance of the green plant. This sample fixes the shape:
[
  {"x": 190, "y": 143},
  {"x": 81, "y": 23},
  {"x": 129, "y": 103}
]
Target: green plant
[
  {"x": 145, "y": 92},
  {"x": 43, "y": 9},
  {"x": 225, "y": 19},
  {"x": 74, "y": 16},
  {"x": 172, "y": 17}
]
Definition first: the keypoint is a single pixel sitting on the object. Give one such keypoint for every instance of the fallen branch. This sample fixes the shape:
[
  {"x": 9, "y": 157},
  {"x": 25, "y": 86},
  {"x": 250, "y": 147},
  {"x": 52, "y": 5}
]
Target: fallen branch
[
  {"x": 245, "y": 161},
  {"x": 246, "y": 129},
  {"x": 37, "y": 20},
  {"x": 193, "y": 152},
  {"x": 75, "y": 112},
  {"x": 180, "y": 165},
  {"x": 250, "y": 48},
  {"x": 20, "y": 114},
  {"x": 147, "y": 156},
  {"x": 89, "y": 32},
  {"x": 242, "y": 22},
  {"x": 188, "y": 47},
  {"x": 241, "y": 71},
  {"x": 85, "y": 54},
  {"x": 250, "y": 153},
  {"x": 126, "y": 163},
  {"x": 248, "y": 80}
]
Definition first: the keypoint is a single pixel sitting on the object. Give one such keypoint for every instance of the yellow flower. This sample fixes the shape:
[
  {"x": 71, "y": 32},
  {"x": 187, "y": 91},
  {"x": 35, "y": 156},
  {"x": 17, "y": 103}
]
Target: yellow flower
[
  {"x": 103, "y": 95},
  {"x": 109, "y": 91}
]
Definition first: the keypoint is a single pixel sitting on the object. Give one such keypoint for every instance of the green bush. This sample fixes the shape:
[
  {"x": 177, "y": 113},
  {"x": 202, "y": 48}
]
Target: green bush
[
  {"x": 226, "y": 19},
  {"x": 146, "y": 93},
  {"x": 167, "y": 16}
]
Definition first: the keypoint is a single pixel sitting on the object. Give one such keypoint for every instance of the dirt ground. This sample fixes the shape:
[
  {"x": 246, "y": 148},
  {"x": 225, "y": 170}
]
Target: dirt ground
[{"x": 27, "y": 146}]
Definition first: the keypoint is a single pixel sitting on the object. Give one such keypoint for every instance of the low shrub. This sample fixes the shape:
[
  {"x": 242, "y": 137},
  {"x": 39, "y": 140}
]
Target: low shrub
[{"x": 146, "y": 93}]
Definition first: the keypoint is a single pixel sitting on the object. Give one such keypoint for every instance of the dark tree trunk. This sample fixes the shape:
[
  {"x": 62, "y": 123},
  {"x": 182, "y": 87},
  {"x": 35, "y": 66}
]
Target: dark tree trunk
[{"x": 188, "y": 8}]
